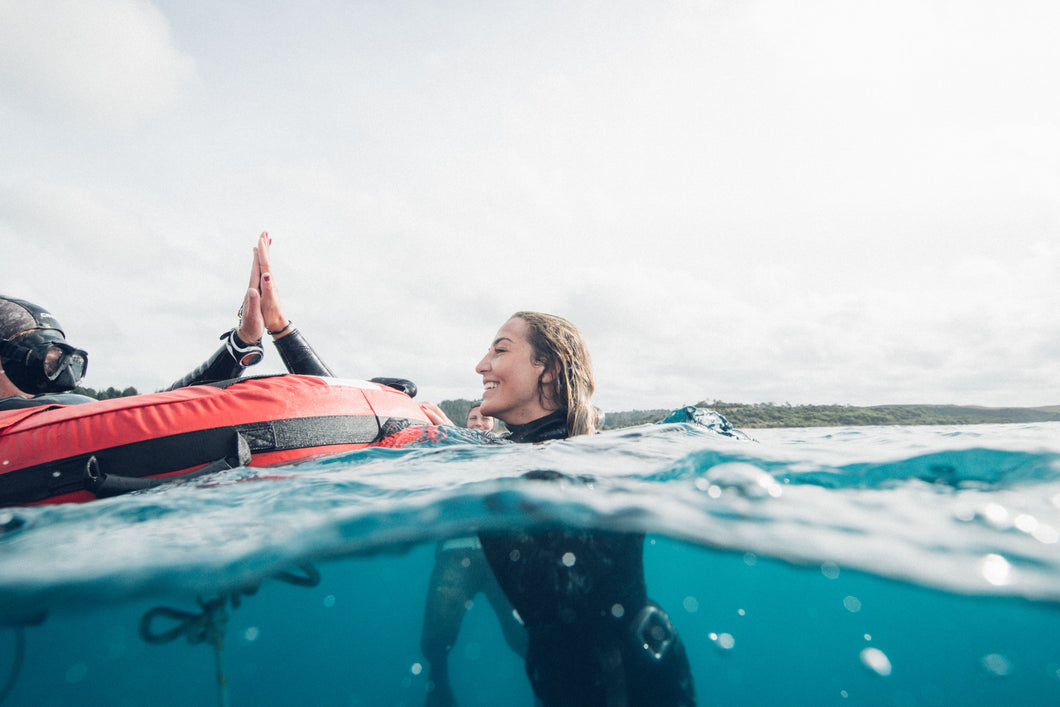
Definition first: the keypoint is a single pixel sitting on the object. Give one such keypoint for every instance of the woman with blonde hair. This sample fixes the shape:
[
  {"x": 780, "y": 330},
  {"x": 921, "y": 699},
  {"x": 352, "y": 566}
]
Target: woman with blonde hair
[
  {"x": 594, "y": 636},
  {"x": 595, "y": 639}
]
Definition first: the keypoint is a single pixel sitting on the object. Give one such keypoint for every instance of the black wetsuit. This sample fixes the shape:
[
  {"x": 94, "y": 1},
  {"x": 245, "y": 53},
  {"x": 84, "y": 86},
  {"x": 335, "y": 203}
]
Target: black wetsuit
[
  {"x": 297, "y": 355},
  {"x": 596, "y": 640}
]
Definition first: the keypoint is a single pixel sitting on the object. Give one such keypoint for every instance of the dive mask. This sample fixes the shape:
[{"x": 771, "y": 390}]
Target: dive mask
[{"x": 40, "y": 361}]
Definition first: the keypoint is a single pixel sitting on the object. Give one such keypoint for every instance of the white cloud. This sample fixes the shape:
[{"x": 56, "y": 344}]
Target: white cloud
[
  {"x": 822, "y": 202},
  {"x": 111, "y": 61}
]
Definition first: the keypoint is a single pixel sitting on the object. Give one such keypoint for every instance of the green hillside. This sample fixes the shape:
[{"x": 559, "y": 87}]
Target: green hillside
[{"x": 772, "y": 415}]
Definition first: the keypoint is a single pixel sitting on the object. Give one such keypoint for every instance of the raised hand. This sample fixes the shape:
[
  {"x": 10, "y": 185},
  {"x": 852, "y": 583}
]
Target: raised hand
[
  {"x": 251, "y": 322},
  {"x": 271, "y": 307}
]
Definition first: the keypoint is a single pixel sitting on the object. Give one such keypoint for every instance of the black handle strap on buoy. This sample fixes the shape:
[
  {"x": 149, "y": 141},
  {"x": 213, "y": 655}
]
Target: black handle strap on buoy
[{"x": 105, "y": 485}]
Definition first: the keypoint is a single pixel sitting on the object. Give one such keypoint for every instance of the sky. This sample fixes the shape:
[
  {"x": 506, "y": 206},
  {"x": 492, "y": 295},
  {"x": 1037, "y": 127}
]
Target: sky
[{"x": 823, "y": 202}]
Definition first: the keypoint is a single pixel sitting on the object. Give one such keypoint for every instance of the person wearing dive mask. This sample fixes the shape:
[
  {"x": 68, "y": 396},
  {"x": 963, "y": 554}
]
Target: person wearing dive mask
[
  {"x": 38, "y": 367},
  {"x": 43, "y": 362}
]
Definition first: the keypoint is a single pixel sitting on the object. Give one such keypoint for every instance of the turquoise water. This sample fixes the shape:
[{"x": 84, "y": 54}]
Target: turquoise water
[{"x": 847, "y": 566}]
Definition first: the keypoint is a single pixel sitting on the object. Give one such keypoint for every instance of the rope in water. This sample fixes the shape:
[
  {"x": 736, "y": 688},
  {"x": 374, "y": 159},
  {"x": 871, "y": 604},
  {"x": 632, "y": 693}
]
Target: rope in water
[{"x": 208, "y": 625}]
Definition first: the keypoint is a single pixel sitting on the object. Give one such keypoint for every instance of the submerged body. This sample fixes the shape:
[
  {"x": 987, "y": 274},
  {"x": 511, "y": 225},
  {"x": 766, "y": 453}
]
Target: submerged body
[{"x": 595, "y": 637}]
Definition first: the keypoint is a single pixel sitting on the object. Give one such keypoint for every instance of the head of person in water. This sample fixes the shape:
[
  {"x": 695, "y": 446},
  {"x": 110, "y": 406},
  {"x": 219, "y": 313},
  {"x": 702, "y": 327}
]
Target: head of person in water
[
  {"x": 34, "y": 355},
  {"x": 476, "y": 420},
  {"x": 539, "y": 363}
]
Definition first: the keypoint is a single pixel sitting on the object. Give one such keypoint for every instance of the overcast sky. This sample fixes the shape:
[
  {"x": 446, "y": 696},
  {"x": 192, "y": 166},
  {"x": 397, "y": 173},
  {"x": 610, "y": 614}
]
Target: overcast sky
[{"x": 757, "y": 200}]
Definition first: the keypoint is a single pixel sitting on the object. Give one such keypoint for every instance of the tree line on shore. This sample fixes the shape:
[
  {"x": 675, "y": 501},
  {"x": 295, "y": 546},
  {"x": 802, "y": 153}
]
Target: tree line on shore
[
  {"x": 787, "y": 415},
  {"x": 105, "y": 393},
  {"x": 773, "y": 415}
]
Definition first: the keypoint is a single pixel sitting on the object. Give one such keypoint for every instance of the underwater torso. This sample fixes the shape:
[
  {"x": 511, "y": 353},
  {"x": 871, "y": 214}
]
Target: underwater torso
[
  {"x": 565, "y": 575},
  {"x": 596, "y": 640}
]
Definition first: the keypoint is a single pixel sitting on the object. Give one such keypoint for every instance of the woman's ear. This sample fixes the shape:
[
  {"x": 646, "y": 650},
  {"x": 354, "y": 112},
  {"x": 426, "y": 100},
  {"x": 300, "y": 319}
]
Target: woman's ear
[{"x": 550, "y": 374}]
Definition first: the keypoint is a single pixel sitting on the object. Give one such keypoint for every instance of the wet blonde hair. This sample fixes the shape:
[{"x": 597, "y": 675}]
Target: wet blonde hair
[{"x": 561, "y": 348}]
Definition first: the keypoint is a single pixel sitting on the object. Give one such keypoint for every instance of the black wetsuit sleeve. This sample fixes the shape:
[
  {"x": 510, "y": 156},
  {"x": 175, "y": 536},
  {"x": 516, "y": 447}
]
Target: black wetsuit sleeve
[
  {"x": 220, "y": 366},
  {"x": 299, "y": 357}
]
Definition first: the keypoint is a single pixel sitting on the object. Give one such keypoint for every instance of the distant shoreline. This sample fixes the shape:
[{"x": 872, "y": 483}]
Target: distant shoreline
[
  {"x": 744, "y": 415},
  {"x": 753, "y": 415}
]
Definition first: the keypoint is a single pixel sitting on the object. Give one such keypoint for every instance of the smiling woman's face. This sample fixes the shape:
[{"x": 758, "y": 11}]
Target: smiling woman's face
[{"x": 510, "y": 377}]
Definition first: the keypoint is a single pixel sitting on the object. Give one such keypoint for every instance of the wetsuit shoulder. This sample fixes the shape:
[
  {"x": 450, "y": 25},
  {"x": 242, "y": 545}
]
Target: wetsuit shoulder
[{"x": 551, "y": 426}]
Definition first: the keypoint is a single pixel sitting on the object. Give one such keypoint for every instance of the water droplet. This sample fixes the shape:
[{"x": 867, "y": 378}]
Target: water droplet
[
  {"x": 1026, "y": 522},
  {"x": 514, "y": 555},
  {"x": 996, "y": 569},
  {"x": 251, "y": 634},
  {"x": 691, "y": 605},
  {"x": 473, "y": 651},
  {"x": 876, "y": 660},
  {"x": 750, "y": 559},
  {"x": 416, "y": 668},
  {"x": 741, "y": 612},
  {"x": 996, "y": 515},
  {"x": 569, "y": 559},
  {"x": 725, "y": 641},
  {"x": 618, "y": 611},
  {"x": 997, "y": 664},
  {"x": 466, "y": 562},
  {"x": 76, "y": 673},
  {"x": 1046, "y": 534},
  {"x": 852, "y": 604},
  {"x": 830, "y": 570},
  {"x": 329, "y": 601}
]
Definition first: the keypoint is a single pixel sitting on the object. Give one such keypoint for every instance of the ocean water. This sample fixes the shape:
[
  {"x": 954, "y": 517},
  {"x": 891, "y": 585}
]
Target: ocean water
[{"x": 820, "y": 566}]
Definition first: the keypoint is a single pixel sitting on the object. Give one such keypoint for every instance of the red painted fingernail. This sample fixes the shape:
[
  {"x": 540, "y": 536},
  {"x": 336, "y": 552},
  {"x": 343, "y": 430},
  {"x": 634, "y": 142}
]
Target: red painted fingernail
[{"x": 267, "y": 277}]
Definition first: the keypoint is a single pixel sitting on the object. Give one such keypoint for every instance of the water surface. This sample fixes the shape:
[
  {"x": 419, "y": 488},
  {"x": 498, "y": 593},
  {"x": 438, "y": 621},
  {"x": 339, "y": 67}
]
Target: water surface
[{"x": 869, "y": 565}]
